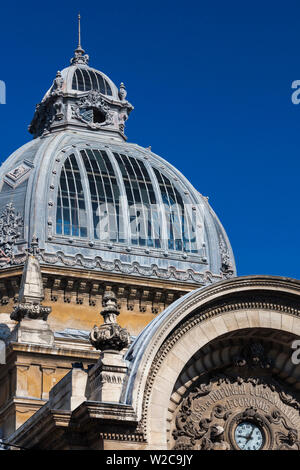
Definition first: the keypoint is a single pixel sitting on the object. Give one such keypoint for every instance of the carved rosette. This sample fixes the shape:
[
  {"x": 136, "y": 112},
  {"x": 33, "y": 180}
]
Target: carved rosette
[{"x": 110, "y": 335}]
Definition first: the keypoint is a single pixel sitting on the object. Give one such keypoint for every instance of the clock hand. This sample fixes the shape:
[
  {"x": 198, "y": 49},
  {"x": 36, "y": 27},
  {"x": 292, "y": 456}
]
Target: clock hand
[
  {"x": 251, "y": 433},
  {"x": 249, "y": 437}
]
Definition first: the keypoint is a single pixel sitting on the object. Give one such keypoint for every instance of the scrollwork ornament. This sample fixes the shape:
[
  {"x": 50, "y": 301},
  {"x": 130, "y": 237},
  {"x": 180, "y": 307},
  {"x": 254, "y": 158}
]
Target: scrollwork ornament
[
  {"x": 253, "y": 355},
  {"x": 288, "y": 441},
  {"x": 92, "y": 100}
]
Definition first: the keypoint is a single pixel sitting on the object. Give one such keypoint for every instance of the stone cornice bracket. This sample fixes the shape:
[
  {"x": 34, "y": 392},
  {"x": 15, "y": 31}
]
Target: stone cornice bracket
[
  {"x": 109, "y": 336},
  {"x": 31, "y": 290}
]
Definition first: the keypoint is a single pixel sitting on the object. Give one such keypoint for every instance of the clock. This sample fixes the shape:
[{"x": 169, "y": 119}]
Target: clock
[{"x": 249, "y": 436}]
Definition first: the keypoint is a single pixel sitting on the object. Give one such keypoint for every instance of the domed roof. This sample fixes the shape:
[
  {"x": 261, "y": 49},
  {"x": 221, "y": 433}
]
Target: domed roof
[
  {"x": 84, "y": 98},
  {"x": 80, "y": 78},
  {"x": 95, "y": 201}
]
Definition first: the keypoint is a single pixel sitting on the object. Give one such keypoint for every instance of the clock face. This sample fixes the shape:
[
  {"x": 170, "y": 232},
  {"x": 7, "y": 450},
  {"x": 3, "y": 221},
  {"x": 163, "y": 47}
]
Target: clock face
[{"x": 248, "y": 436}]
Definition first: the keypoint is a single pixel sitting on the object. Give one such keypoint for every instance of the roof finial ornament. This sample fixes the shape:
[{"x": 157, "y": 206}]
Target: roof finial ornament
[
  {"x": 80, "y": 57},
  {"x": 79, "y": 32}
]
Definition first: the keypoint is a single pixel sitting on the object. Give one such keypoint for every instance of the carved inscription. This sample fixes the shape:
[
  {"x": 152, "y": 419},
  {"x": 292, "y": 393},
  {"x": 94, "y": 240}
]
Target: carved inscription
[{"x": 226, "y": 403}]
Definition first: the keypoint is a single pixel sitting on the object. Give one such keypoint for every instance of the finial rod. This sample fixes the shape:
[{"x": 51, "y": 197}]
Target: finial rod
[
  {"x": 79, "y": 31},
  {"x": 79, "y": 57}
]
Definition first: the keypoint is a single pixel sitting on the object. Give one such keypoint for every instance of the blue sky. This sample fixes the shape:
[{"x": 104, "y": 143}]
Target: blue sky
[{"x": 211, "y": 87}]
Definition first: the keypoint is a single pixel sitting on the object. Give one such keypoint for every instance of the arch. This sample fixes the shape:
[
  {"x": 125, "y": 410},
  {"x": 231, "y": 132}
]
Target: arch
[{"x": 163, "y": 349}]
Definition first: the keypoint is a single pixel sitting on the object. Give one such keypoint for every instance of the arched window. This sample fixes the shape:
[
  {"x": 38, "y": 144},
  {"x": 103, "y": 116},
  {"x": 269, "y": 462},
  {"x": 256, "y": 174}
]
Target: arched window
[
  {"x": 145, "y": 227},
  {"x": 180, "y": 217},
  {"x": 71, "y": 213},
  {"x": 108, "y": 223},
  {"x": 86, "y": 79}
]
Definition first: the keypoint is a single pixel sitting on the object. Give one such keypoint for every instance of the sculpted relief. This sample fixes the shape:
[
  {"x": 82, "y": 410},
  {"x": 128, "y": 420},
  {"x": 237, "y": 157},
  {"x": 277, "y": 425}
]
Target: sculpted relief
[
  {"x": 242, "y": 407},
  {"x": 245, "y": 414}
]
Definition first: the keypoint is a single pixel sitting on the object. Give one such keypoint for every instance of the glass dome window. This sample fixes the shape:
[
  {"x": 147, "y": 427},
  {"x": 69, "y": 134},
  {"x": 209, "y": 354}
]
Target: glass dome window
[
  {"x": 71, "y": 214},
  {"x": 85, "y": 79}
]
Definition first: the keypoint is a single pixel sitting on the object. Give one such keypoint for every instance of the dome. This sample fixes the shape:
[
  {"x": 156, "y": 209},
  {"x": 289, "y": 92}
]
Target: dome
[
  {"x": 112, "y": 206},
  {"x": 96, "y": 202},
  {"x": 84, "y": 98},
  {"x": 81, "y": 78}
]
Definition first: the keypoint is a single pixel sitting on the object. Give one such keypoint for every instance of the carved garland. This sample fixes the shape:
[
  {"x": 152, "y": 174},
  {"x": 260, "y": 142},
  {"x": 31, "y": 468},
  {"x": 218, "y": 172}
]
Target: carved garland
[
  {"x": 187, "y": 326},
  {"x": 171, "y": 273},
  {"x": 135, "y": 268}
]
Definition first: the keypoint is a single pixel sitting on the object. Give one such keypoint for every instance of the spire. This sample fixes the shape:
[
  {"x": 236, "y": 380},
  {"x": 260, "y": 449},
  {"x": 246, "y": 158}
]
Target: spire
[
  {"x": 80, "y": 57},
  {"x": 79, "y": 32}
]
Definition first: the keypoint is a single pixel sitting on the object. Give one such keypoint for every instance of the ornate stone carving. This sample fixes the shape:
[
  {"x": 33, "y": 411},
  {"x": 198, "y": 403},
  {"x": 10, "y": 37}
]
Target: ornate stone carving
[
  {"x": 226, "y": 265},
  {"x": 203, "y": 278},
  {"x": 208, "y": 420},
  {"x": 93, "y": 100},
  {"x": 253, "y": 355},
  {"x": 122, "y": 92},
  {"x": 16, "y": 176},
  {"x": 11, "y": 226},
  {"x": 80, "y": 57},
  {"x": 109, "y": 336},
  {"x": 57, "y": 96},
  {"x": 215, "y": 441},
  {"x": 190, "y": 430},
  {"x": 34, "y": 246},
  {"x": 30, "y": 310},
  {"x": 51, "y": 109},
  {"x": 57, "y": 83},
  {"x": 287, "y": 439}
]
